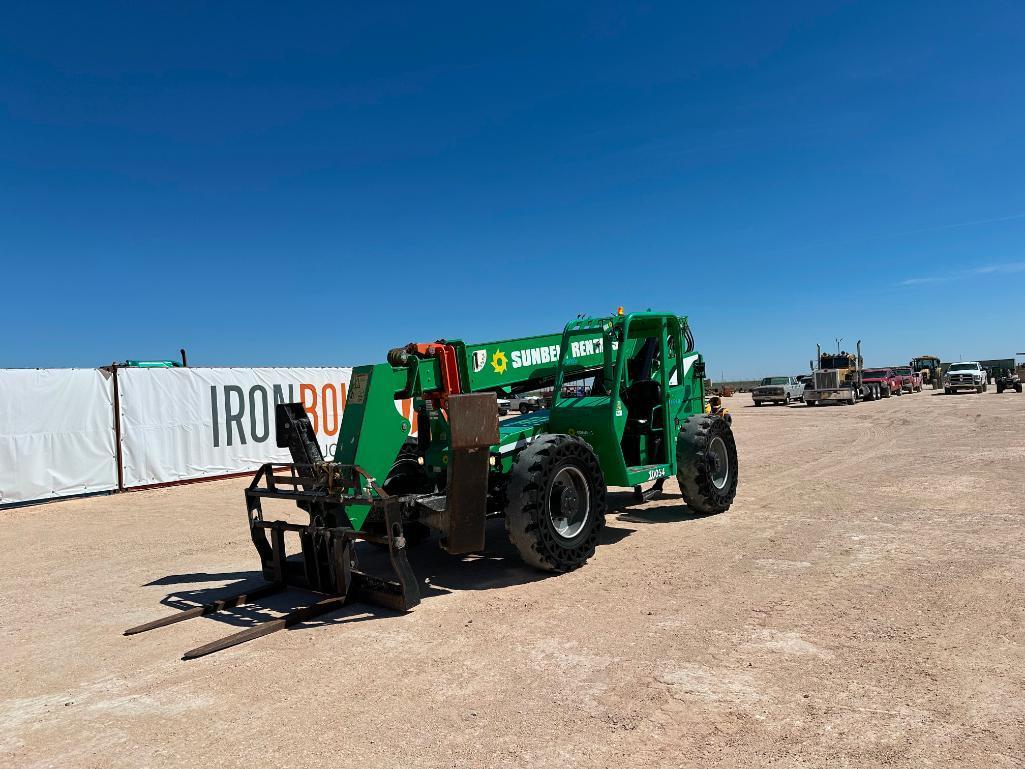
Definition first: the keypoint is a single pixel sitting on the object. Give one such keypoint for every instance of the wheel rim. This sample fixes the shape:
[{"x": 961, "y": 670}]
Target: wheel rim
[
  {"x": 720, "y": 462},
  {"x": 569, "y": 502}
]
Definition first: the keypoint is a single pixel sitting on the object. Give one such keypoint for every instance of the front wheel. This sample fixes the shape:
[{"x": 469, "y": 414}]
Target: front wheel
[
  {"x": 556, "y": 505},
  {"x": 706, "y": 463},
  {"x": 786, "y": 402}
]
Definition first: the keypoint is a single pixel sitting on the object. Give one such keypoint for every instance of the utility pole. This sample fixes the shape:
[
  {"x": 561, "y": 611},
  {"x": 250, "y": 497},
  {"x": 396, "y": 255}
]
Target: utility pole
[{"x": 838, "y": 340}]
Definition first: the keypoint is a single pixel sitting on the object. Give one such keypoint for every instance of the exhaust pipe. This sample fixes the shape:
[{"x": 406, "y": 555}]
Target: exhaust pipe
[{"x": 858, "y": 376}]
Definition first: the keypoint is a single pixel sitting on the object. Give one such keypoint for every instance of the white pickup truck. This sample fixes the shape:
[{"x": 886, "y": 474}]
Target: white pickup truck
[
  {"x": 967, "y": 375},
  {"x": 521, "y": 403},
  {"x": 778, "y": 389}
]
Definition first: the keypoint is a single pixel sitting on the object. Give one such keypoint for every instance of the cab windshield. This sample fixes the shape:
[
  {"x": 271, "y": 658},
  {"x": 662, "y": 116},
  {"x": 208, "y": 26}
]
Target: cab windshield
[
  {"x": 876, "y": 373},
  {"x": 963, "y": 367},
  {"x": 836, "y": 361},
  {"x": 774, "y": 380},
  {"x": 905, "y": 371}
]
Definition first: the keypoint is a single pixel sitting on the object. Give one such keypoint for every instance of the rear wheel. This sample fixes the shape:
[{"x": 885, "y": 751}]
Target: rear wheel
[
  {"x": 556, "y": 503},
  {"x": 1017, "y": 387},
  {"x": 947, "y": 391},
  {"x": 706, "y": 463},
  {"x": 810, "y": 402},
  {"x": 524, "y": 408}
]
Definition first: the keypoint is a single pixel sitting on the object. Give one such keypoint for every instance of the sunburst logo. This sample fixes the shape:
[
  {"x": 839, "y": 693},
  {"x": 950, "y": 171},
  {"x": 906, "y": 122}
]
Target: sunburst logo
[{"x": 499, "y": 362}]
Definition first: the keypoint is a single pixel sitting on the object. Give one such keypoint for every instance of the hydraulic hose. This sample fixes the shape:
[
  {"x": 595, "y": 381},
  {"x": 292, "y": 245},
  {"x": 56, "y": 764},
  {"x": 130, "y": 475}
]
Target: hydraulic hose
[{"x": 688, "y": 337}]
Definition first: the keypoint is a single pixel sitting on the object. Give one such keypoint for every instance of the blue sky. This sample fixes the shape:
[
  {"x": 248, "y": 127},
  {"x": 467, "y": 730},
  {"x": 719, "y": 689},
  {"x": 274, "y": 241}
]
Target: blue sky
[{"x": 314, "y": 184}]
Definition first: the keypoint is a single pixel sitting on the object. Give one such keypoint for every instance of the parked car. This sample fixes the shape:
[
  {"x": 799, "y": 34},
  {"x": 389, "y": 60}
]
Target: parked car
[
  {"x": 910, "y": 380},
  {"x": 521, "y": 403},
  {"x": 883, "y": 382},
  {"x": 966, "y": 375},
  {"x": 778, "y": 389}
]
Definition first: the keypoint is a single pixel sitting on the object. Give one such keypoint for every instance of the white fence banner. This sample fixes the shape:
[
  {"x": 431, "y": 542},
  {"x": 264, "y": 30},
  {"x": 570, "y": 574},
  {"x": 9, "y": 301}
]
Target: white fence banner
[
  {"x": 185, "y": 423},
  {"x": 56, "y": 433}
]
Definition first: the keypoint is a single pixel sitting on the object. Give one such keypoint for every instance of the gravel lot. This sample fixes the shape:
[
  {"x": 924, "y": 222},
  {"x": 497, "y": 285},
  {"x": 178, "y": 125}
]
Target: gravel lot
[{"x": 860, "y": 605}]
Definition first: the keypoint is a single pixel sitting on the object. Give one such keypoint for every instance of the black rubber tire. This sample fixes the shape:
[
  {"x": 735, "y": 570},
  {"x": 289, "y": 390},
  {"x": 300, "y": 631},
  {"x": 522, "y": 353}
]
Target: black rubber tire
[
  {"x": 1017, "y": 387},
  {"x": 758, "y": 403},
  {"x": 693, "y": 469},
  {"x": 528, "y": 518},
  {"x": 524, "y": 408},
  {"x": 810, "y": 403},
  {"x": 787, "y": 401},
  {"x": 947, "y": 391},
  {"x": 1000, "y": 388}
]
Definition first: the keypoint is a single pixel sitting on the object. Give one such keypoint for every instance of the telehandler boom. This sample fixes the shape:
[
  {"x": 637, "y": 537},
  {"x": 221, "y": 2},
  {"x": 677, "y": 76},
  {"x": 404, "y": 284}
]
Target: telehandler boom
[{"x": 546, "y": 472}]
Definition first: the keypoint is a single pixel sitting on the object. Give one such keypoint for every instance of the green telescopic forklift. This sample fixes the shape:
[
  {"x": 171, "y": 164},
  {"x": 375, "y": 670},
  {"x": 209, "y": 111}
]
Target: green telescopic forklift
[{"x": 545, "y": 472}]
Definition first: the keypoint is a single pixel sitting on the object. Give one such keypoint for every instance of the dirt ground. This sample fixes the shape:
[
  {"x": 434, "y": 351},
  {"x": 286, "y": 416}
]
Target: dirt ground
[{"x": 862, "y": 604}]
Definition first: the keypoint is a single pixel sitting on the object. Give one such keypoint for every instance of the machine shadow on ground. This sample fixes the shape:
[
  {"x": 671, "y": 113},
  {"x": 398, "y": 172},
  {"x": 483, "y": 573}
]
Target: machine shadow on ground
[
  {"x": 626, "y": 508},
  {"x": 439, "y": 573}
]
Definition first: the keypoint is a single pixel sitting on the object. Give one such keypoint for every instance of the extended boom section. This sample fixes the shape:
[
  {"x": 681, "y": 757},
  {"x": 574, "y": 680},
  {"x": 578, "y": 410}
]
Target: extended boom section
[{"x": 639, "y": 421}]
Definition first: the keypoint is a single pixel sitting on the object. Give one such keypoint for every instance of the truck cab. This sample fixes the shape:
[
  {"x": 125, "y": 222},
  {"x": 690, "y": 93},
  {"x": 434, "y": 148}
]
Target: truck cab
[
  {"x": 963, "y": 376},
  {"x": 780, "y": 390},
  {"x": 910, "y": 380},
  {"x": 837, "y": 379},
  {"x": 882, "y": 382}
]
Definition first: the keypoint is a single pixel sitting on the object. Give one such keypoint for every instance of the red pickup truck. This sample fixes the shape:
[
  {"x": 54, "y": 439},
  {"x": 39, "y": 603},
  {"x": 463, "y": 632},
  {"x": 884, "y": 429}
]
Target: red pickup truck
[
  {"x": 910, "y": 380},
  {"x": 883, "y": 381}
]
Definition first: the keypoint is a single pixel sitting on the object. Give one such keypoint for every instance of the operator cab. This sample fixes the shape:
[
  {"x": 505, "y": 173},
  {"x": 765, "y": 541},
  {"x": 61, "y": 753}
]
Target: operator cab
[{"x": 643, "y": 398}]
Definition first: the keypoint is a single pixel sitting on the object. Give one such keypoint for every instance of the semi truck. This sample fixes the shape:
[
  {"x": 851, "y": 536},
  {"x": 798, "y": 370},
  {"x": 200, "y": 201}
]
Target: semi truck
[{"x": 837, "y": 378}]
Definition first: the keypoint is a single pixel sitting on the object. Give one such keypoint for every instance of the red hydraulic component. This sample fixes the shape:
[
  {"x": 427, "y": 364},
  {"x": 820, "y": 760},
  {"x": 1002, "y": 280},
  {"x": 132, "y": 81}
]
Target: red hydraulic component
[{"x": 446, "y": 354}]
